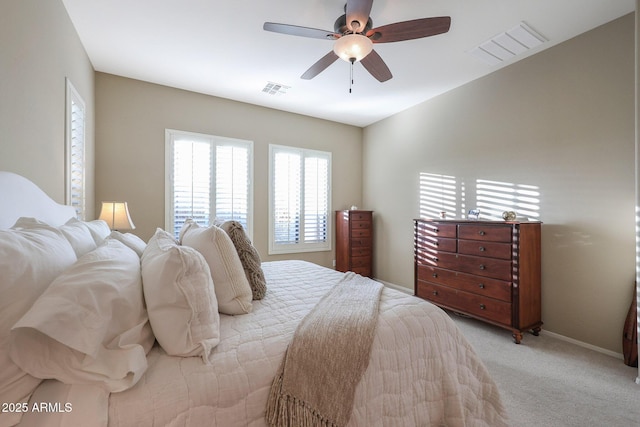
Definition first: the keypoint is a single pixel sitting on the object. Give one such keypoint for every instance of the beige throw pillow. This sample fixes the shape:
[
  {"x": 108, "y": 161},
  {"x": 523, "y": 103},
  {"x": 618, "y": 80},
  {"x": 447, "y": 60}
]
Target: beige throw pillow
[
  {"x": 249, "y": 257},
  {"x": 231, "y": 285}
]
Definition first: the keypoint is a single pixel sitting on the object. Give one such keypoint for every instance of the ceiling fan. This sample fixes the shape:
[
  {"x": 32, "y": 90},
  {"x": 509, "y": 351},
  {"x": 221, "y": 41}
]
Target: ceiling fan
[{"x": 354, "y": 37}]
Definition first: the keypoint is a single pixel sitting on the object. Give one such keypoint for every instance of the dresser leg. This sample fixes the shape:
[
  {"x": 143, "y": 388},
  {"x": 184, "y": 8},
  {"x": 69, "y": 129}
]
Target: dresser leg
[
  {"x": 517, "y": 336},
  {"x": 536, "y": 331}
]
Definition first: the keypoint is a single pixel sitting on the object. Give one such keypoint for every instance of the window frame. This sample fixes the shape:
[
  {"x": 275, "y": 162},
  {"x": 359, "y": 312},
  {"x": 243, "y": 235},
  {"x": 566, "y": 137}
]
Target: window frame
[
  {"x": 302, "y": 246},
  {"x": 173, "y": 135}
]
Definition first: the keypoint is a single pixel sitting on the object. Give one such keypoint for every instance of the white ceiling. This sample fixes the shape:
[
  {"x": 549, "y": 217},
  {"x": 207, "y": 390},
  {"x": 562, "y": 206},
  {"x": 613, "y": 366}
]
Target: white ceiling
[{"x": 219, "y": 48}]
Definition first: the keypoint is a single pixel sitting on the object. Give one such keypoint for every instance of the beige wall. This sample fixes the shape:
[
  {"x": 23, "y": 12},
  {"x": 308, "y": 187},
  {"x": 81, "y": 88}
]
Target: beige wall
[
  {"x": 39, "y": 48},
  {"x": 130, "y": 138},
  {"x": 563, "y": 121}
]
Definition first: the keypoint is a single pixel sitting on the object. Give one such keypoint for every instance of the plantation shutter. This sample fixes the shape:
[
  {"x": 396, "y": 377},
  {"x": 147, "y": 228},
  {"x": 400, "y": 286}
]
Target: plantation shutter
[
  {"x": 300, "y": 200},
  {"x": 232, "y": 183},
  {"x": 316, "y": 199},
  {"x": 208, "y": 179},
  {"x": 75, "y": 122},
  {"x": 287, "y": 189},
  {"x": 191, "y": 183},
  {"x": 77, "y": 166}
]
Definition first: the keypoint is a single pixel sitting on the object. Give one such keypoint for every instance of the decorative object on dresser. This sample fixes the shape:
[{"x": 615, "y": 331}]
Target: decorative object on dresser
[
  {"x": 354, "y": 241},
  {"x": 488, "y": 270}
]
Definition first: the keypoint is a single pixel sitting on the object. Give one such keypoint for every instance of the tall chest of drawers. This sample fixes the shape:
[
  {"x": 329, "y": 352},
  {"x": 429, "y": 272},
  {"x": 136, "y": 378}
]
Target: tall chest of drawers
[
  {"x": 354, "y": 241},
  {"x": 488, "y": 270}
]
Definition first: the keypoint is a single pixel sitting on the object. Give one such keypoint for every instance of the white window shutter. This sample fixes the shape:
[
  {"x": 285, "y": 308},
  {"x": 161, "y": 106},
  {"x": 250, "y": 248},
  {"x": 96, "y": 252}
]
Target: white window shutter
[
  {"x": 300, "y": 200},
  {"x": 209, "y": 178}
]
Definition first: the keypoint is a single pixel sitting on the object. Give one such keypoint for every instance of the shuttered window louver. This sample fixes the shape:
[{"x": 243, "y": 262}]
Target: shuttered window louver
[
  {"x": 299, "y": 200},
  {"x": 75, "y": 147},
  {"x": 209, "y": 180}
]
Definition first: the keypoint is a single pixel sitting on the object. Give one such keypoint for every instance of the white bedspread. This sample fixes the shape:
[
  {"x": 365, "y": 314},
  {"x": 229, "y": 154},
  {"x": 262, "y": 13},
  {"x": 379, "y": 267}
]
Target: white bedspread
[{"x": 422, "y": 371}]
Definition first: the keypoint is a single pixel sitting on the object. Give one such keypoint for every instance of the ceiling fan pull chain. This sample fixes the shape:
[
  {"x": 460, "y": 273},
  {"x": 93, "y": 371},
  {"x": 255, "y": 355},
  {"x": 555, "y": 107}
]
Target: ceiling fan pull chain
[{"x": 351, "y": 76}]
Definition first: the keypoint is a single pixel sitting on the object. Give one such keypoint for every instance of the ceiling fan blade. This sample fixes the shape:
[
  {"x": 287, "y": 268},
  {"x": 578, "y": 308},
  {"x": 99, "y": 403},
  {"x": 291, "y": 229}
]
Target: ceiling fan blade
[
  {"x": 320, "y": 66},
  {"x": 295, "y": 30},
  {"x": 409, "y": 30},
  {"x": 358, "y": 11},
  {"x": 376, "y": 66}
]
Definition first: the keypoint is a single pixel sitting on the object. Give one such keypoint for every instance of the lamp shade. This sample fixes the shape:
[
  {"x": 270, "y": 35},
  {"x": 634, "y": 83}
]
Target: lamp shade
[
  {"x": 116, "y": 215},
  {"x": 353, "y": 47}
]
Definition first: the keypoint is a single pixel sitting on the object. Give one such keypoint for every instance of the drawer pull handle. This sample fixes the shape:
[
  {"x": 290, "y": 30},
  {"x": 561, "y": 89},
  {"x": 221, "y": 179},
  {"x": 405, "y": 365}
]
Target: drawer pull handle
[
  {"x": 481, "y": 232},
  {"x": 434, "y": 275},
  {"x": 481, "y": 285},
  {"x": 435, "y": 230},
  {"x": 482, "y": 307},
  {"x": 435, "y": 258},
  {"x": 482, "y": 267},
  {"x": 435, "y": 293},
  {"x": 482, "y": 249}
]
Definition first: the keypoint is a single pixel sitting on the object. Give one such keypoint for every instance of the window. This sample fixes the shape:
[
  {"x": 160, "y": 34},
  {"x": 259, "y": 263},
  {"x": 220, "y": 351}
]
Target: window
[
  {"x": 208, "y": 178},
  {"x": 299, "y": 200},
  {"x": 74, "y": 151}
]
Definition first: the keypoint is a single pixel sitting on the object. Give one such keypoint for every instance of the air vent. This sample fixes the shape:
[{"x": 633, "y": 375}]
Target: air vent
[
  {"x": 507, "y": 45},
  {"x": 276, "y": 89}
]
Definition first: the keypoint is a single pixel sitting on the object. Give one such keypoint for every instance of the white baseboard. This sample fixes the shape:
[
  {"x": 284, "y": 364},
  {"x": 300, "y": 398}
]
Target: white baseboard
[
  {"x": 551, "y": 334},
  {"x": 583, "y": 344}
]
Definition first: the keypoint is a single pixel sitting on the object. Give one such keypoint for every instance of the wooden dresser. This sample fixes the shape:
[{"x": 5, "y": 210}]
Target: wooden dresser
[
  {"x": 488, "y": 270},
  {"x": 354, "y": 241}
]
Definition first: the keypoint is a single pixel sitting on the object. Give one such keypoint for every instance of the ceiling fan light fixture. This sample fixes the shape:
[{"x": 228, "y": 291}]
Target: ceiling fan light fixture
[{"x": 353, "y": 47}]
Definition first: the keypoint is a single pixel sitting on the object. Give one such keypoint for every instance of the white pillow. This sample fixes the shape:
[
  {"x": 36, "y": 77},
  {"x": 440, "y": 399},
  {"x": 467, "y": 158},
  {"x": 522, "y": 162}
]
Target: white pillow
[
  {"x": 181, "y": 301},
  {"x": 74, "y": 231},
  {"x": 90, "y": 326},
  {"x": 232, "y": 287},
  {"x": 131, "y": 240},
  {"x": 98, "y": 228},
  {"x": 29, "y": 261}
]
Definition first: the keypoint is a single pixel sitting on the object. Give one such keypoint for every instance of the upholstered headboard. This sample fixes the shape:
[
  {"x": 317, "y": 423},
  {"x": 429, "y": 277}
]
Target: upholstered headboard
[{"x": 20, "y": 197}]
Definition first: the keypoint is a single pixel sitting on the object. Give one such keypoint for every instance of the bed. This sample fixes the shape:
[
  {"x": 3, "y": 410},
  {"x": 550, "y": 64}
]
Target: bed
[{"x": 420, "y": 369}]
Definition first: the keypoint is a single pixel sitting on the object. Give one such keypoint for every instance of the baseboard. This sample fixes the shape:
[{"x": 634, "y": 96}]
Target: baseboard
[
  {"x": 583, "y": 344},
  {"x": 548, "y": 333}
]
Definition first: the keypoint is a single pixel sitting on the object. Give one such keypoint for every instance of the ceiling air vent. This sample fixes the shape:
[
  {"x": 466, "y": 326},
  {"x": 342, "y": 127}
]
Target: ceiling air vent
[
  {"x": 275, "y": 89},
  {"x": 509, "y": 44}
]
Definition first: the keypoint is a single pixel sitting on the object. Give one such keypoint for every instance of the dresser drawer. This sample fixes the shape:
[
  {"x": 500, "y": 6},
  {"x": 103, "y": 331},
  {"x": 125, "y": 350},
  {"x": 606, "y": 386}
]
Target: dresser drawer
[
  {"x": 361, "y": 242},
  {"x": 486, "y": 267},
  {"x": 438, "y": 229},
  {"x": 357, "y": 225},
  {"x": 361, "y": 251},
  {"x": 360, "y": 261},
  {"x": 498, "y": 289},
  {"x": 438, "y": 294},
  {"x": 477, "y": 305},
  {"x": 487, "y": 308},
  {"x": 360, "y": 216},
  {"x": 360, "y": 232},
  {"x": 485, "y": 248},
  {"x": 489, "y": 233},
  {"x": 437, "y": 243}
]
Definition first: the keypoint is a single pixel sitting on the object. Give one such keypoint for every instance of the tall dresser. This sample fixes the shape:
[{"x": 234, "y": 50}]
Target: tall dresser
[
  {"x": 354, "y": 241},
  {"x": 488, "y": 270}
]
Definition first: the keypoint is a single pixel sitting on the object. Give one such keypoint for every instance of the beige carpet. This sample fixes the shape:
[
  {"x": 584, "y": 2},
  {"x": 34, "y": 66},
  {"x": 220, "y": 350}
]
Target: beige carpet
[{"x": 547, "y": 382}]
